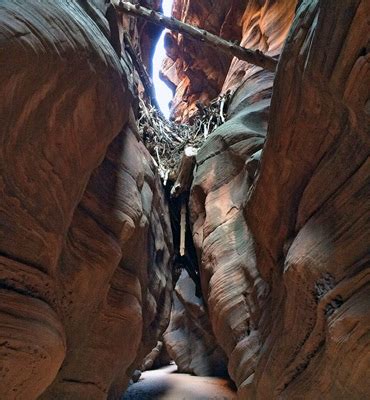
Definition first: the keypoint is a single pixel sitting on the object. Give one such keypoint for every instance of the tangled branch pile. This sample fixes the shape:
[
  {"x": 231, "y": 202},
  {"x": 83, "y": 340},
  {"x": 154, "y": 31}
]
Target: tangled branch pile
[{"x": 166, "y": 140}]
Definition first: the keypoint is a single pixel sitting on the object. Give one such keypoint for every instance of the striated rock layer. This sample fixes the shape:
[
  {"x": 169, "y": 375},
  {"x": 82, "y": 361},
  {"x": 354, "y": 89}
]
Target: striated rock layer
[
  {"x": 309, "y": 211},
  {"x": 283, "y": 251},
  {"x": 233, "y": 288},
  {"x": 85, "y": 239}
]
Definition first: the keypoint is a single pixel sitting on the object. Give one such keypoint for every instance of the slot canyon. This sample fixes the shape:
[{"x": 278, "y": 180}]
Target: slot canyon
[{"x": 220, "y": 254}]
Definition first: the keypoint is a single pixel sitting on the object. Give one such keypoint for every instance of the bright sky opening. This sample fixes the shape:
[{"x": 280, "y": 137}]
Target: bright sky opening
[{"x": 163, "y": 92}]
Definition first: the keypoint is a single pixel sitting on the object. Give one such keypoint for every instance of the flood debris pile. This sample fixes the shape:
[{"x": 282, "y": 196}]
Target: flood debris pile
[{"x": 167, "y": 140}]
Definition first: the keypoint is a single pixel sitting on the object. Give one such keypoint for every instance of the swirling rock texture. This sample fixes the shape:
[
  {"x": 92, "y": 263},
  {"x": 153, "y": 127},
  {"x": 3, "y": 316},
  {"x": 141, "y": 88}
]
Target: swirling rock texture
[
  {"x": 309, "y": 211},
  {"x": 225, "y": 249},
  {"x": 282, "y": 244},
  {"x": 85, "y": 238},
  {"x": 233, "y": 288},
  {"x": 188, "y": 338},
  {"x": 283, "y": 251}
]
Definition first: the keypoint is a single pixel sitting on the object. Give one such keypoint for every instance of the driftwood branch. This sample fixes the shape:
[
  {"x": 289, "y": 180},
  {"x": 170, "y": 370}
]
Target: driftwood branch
[
  {"x": 185, "y": 173},
  {"x": 182, "y": 228},
  {"x": 253, "y": 57}
]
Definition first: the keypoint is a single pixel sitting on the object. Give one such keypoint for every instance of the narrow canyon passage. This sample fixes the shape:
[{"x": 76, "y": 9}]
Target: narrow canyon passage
[
  {"x": 164, "y": 384},
  {"x": 219, "y": 253}
]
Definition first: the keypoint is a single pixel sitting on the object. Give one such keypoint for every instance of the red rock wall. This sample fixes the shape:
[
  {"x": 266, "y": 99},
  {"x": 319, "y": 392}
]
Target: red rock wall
[
  {"x": 233, "y": 287},
  {"x": 284, "y": 254},
  {"x": 309, "y": 211},
  {"x": 197, "y": 72},
  {"x": 85, "y": 239}
]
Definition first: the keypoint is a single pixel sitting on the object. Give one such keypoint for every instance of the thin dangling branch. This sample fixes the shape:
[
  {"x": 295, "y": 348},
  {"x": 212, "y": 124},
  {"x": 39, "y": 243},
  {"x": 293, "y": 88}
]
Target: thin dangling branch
[
  {"x": 182, "y": 228},
  {"x": 253, "y": 57}
]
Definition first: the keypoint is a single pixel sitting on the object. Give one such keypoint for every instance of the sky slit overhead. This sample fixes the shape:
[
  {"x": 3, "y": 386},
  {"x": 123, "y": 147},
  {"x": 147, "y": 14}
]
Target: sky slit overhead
[{"x": 163, "y": 93}]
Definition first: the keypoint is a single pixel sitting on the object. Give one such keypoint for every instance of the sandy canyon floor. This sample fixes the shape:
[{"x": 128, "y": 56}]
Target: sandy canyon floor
[{"x": 166, "y": 384}]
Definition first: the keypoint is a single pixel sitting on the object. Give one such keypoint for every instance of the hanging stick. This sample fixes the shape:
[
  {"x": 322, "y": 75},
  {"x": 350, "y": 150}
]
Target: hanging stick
[{"x": 182, "y": 228}]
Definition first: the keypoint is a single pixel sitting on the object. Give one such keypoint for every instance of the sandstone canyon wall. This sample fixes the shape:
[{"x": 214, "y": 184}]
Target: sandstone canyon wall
[
  {"x": 313, "y": 188},
  {"x": 85, "y": 237},
  {"x": 278, "y": 206},
  {"x": 283, "y": 243},
  {"x": 197, "y": 72}
]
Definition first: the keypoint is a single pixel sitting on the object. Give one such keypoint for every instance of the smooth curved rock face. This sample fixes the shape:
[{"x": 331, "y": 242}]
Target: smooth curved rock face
[
  {"x": 195, "y": 71},
  {"x": 189, "y": 339},
  {"x": 119, "y": 238},
  {"x": 232, "y": 285},
  {"x": 85, "y": 277},
  {"x": 309, "y": 211},
  {"x": 284, "y": 255},
  {"x": 264, "y": 26}
]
